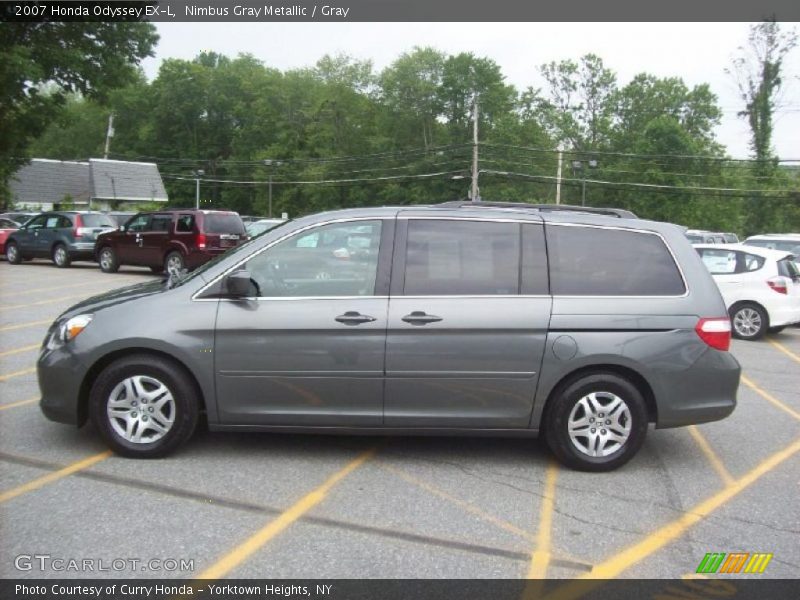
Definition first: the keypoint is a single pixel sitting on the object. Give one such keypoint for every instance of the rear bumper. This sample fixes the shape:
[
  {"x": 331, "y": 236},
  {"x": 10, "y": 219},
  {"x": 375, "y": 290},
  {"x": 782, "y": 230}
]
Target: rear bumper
[
  {"x": 702, "y": 393},
  {"x": 786, "y": 313},
  {"x": 81, "y": 251}
]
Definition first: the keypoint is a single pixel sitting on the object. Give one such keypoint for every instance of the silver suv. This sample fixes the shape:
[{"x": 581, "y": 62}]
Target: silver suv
[{"x": 473, "y": 319}]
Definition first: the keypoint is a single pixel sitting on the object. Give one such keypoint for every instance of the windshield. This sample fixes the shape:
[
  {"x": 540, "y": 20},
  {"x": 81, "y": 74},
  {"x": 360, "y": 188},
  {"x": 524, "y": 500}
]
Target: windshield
[
  {"x": 223, "y": 223},
  {"x": 97, "y": 221}
]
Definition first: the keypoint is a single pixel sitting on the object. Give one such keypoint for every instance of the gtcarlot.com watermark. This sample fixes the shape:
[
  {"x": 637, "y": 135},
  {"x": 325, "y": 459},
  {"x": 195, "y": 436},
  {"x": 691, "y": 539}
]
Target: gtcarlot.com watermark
[{"x": 60, "y": 564}]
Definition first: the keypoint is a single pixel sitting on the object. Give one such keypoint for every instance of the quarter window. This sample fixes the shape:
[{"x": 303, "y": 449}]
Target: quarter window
[
  {"x": 591, "y": 261},
  {"x": 332, "y": 260},
  {"x": 462, "y": 258}
]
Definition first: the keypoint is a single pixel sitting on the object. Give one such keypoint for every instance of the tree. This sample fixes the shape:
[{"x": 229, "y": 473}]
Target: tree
[
  {"x": 42, "y": 64},
  {"x": 757, "y": 70},
  {"x": 579, "y": 103}
]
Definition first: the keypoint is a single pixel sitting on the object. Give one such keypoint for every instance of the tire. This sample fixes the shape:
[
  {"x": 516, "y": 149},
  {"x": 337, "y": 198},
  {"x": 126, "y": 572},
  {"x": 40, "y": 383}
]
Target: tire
[
  {"x": 107, "y": 259},
  {"x": 61, "y": 257},
  {"x": 776, "y": 329},
  {"x": 13, "y": 255},
  {"x": 174, "y": 262},
  {"x": 118, "y": 406},
  {"x": 585, "y": 398},
  {"x": 749, "y": 321}
]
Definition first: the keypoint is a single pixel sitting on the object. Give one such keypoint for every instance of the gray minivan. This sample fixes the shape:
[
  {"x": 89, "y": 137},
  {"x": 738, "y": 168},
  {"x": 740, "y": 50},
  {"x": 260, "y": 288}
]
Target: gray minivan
[{"x": 584, "y": 325}]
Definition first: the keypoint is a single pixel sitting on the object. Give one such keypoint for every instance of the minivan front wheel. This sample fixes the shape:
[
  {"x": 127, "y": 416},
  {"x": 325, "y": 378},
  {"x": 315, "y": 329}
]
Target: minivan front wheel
[
  {"x": 750, "y": 321},
  {"x": 144, "y": 406},
  {"x": 597, "y": 422}
]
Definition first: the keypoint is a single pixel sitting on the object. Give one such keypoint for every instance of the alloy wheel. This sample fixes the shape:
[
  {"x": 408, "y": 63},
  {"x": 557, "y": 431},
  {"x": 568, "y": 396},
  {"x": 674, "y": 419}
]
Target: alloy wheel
[
  {"x": 599, "y": 424},
  {"x": 747, "y": 322},
  {"x": 141, "y": 409}
]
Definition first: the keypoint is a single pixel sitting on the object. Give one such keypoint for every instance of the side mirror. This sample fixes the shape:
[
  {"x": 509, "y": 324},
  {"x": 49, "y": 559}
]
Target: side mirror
[{"x": 238, "y": 284}]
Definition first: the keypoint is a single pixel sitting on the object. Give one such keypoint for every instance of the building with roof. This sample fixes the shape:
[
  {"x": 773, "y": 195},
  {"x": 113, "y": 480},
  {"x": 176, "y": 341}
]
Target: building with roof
[{"x": 98, "y": 184}]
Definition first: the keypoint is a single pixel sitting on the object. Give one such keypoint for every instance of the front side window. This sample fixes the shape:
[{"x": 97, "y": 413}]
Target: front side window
[
  {"x": 138, "y": 223},
  {"x": 445, "y": 258},
  {"x": 593, "y": 261},
  {"x": 37, "y": 222},
  {"x": 340, "y": 259}
]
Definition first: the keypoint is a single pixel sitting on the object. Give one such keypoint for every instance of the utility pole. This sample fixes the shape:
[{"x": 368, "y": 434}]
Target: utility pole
[
  {"x": 271, "y": 164},
  {"x": 558, "y": 174},
  {"x": 475, "y": 192},
  {"x": 109, "y": 135},
  {"x": 197, "y": 175}
]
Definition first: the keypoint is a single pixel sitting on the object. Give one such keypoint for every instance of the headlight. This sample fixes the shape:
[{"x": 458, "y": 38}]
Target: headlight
[{"x": 69, "y": 330}]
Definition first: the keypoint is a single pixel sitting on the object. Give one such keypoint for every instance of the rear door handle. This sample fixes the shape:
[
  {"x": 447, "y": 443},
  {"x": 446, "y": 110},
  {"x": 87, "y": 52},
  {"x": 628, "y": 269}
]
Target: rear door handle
[
  {"x": 352, "y": 317},
  {"x": 420, "y": 317}
]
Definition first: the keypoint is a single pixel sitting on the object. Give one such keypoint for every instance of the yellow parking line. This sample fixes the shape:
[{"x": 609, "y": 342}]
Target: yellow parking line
[
  {"x": 20, "y": 403},
  {"x": 56, "y": 287},
  {"x": 24, "y": 325},
  {"x": 770, "y": 398},
  {"x": 17, "y": 374},
  {"x": 18, "y": 350},
  {"x": 653, "y": 542},
  {"x": 785, "y": 350},
  {"x": 54, "y": 476},
  {"x": 712, "y": 457},
  {"x": 252, "y": 544},
  {"x": 540, "y": 558},
  {"x": 466, "y": 506},
  {"x": 41, "y": 302}
]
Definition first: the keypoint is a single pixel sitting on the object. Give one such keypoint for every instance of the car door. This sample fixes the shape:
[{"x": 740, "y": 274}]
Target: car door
[
  {"x": 154, "y": 239},
  {"x": 28, "y": 235},
  {"x": 46, "y": 236},
  {"x": 468, "y": 318},
  {"x": 128, "y": 245},
  {"x": 308, "y": 348}
]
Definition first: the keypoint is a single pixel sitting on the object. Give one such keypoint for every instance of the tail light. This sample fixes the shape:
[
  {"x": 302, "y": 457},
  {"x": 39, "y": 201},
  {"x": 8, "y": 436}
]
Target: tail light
[
  {"x": 715, "y": 332},
  {"x": 78, "y": 230},
  {"x": 778, "y": 284},
  {"x": 201, "y": 240}
]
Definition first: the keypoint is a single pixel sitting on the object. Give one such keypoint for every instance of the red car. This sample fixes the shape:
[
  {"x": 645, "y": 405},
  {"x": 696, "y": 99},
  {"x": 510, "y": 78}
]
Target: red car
[
  {"x": 170, "y": 240},
  {"x": 7, "y": 227}
]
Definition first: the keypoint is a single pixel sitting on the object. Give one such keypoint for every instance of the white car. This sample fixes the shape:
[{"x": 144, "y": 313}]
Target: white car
[
  {"x": 761, "y": 287},
  {"x": 789, "y": 242}
]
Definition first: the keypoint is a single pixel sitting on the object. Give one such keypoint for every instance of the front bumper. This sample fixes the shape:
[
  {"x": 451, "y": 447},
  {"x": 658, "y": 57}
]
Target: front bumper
[{"x": 60, "y": 375}]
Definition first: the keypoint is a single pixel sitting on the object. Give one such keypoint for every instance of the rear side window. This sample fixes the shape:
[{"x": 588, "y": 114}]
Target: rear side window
[
  {"x": 591, "y": 261},
  {"x": 462, "y": 258},
  {"x": 185, "y": 224},
  {"x": 719, "y": 262},
  {"x": 97, "y": 221},
  {"x": 223, "y": 223}
]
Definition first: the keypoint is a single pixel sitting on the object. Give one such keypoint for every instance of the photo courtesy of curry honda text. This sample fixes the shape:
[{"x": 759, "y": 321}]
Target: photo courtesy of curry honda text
[{"x": 582, "y": 325}]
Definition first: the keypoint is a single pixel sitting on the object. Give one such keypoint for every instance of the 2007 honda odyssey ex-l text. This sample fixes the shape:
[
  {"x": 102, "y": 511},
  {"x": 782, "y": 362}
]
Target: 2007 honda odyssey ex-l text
[{"x": 459, "y": 318}]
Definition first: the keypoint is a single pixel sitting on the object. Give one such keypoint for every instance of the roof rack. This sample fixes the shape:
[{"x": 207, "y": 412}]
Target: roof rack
[{"x": 609, "y": 212}]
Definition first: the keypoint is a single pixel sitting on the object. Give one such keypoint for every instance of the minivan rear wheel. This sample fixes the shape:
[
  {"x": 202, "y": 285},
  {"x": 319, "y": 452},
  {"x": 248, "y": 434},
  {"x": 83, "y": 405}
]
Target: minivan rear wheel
[
  {"x": 144, "y": 406},
  {"x": 750, "y": 321},
  {"x": 596, "y": 422}
]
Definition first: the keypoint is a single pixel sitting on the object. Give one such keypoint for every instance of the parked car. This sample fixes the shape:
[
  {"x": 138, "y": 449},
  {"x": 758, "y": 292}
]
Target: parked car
[
  {"x": 258, "y": 227},
  {"x": 170, "y": 240},
  {"x": 699, "y": 236},
  {"x": 440, "y": 319},
  {"x": 19, "y": 217},
  {"x": 121, "y": 217},
  {"x": 761, "y": 287},
  {"x": 7, "y": 227},
  {"x": 62, "y": 236},
  {"x": 790, "y": 242}
]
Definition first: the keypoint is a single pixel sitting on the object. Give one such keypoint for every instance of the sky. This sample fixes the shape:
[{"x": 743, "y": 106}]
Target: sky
[{"x": 696, "y": 52}]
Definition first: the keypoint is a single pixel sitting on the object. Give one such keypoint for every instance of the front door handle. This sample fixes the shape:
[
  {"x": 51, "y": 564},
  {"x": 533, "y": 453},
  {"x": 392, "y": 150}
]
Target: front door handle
[
  {"x": 420, "y": 317},
  {"x": 352, "y": 317}
]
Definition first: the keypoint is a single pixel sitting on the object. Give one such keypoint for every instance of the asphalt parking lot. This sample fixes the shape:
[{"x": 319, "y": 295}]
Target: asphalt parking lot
[{"x": 291, "y": 506}]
